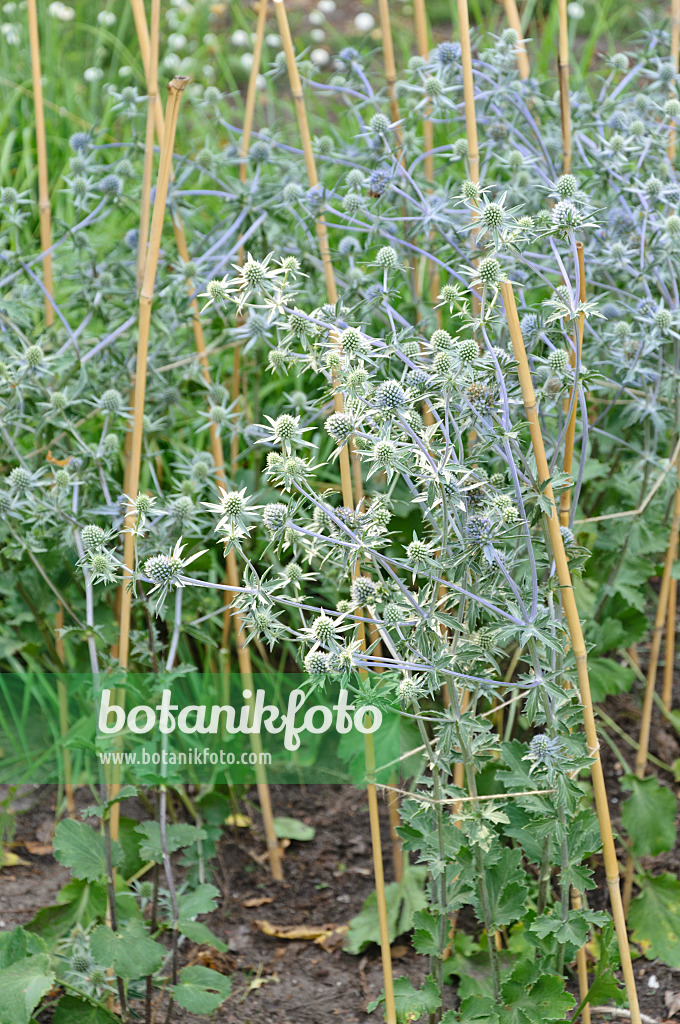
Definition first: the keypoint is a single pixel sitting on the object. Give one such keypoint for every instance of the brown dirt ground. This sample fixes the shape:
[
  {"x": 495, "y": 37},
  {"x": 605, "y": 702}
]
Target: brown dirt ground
[{"x": 326, "y": 881}]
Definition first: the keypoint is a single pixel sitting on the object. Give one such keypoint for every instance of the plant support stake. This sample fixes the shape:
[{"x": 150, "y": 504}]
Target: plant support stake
[{"x": 578, "y": 645}]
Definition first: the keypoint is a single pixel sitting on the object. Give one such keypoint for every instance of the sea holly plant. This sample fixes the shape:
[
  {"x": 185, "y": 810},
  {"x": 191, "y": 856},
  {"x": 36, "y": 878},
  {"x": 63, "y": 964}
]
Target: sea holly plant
[{"x": 77, "y": 956}]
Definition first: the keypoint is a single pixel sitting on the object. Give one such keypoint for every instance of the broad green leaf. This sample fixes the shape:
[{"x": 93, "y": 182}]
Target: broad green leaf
[
  {"x": 201, "y": 900},
  {"x": 80, "y": 848},
  {"x": 71, "y": 1010},
  {"x": 608, "y": 677},
  {"x": 411, "y": 1003},
  {"x": 291, "y": 828},
  {"x": 545, "y": 1000},
  {"x": 18, "y": 944},
  {"x": 654, "y": 918},
  {"x": 648, "y": 816},
  {"x": 177, "y": 836},
  {"x": 507, "y": 896},
  {"x": 404, "y": 899},
  {"x": 22, "y": 986},
  {"x": 130, "y": 951},
  {"x": 201, "y": 934},
  {"x": 201, "y": 990},
  {"x": 426, "y": 933}
]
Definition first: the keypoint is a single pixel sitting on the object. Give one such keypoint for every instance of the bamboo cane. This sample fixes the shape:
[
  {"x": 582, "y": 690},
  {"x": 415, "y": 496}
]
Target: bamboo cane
[
  {"x": 468, "y": 89},
  {"x": 246, "y": 134},
  {"x": 565, "y": 515},
  {"x": 512, "y": 14},
  {"x": 581, "y": 963},
  {"x": 578, "y": 645},
  {"x": 667, "y": 692},
  {"x": 652, "y": 667},
  {"x": 420, "y": 18},
  {"x": 563, "y": 74},
  {"x": 41, "y": 151},
  {"x": 147, "y": 172},
  {"x": 175, "y": 89},
  {"x": 348, "y": 497},
  {"x": 45, "y": 213},
  {"x": 390, "y": 66},
  {"x": 216, "y": 447},
  {"x": 565, "y": 501},
  {"x": 675, "y": 60}
]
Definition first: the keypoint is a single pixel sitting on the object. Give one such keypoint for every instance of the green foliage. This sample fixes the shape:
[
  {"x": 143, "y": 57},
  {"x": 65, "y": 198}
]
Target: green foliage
[
  {"x": 404, "y": 900},
  {"x": 648, "y": 816},
  {"x": 130, "y": 951},
  {"x": 201, "y": 990},
  {"x": 80, "y": 848},
  {"x": 654, "y": 918}
]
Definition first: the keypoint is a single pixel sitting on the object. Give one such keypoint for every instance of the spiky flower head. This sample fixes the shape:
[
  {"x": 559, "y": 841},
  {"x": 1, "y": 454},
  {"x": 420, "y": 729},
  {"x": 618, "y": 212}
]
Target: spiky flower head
[
  {"x": 418, "y": 552},
  {"x": 566, "y": 214},
  {"x": 363, "y": 590},
  {"x": 489, "y": 270},
  {"x": 387, "y": 258},
  {"x": 566, "y": 186},
  {"x": 92, "y": 536},
  {"x": 558, "y": 360},
  {"x": 672, "y": 225},
  {"x": 492, "y": 215},
  {"x": 545, "y": 750},
  {"x": 441, "y": 340},
  {"x": 479, "y": 528},
  {"x": 323, "y": 629},
  {"x": 408, "y": 691},
  {"x": 390, "y": 395},
  {"x": 19, "y": 480},
  {"x": 111, "y": 185},
  {"x": 380, "y": 124},
  {"x": 163, "y": 568},
  {"x": 468, "y": 350},
  {"x": 316, "y": 663},
  {"x": 111, "y": 402},
  {"x": 274, "y": 516},
  {"x": 470, "y": 191}
]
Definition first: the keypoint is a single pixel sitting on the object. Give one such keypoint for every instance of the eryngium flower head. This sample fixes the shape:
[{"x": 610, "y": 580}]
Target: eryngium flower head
[{"x": 390, "y": 395}]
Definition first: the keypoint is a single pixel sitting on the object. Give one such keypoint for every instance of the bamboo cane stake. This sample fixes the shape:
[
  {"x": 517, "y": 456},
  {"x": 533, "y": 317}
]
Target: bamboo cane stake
[
  {"x": 581, "y": 964},
  {"x": 667, "y": 692},
  {"x": 147, "y": 172},
  {"x": 246, "y": 134},
  {"x": 422, "y": 39},
  {"x": 578, "y": 645},
  {"x": 348, "y": 498},
  {"x": 565, "y": 501},
  {"x": 390, "y": 66},
  {"x": 655, "y": 648},
  {"x": 468, "y": 89},
  {"x": 563, "y": 74},
  {"x": 175, "y": 89},
  {"x": 41, "y": 152},
  {"x": 45, "y": 214},
  {"x": 565, "y": 515},
  {"x": 273, "y": 851},
  {"x": 675, "y": 59},
  {"x": 512, "y": 14}
]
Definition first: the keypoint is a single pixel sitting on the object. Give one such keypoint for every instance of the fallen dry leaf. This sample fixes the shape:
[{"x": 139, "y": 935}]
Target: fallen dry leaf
[
  {"x": 38, "y": 849},
  {"x": 320, "y": 934},
  {"x": 238, "y": 820},
  {"x": 258, "y": 901},
  {"x": 672, "y": 1001},
  {"x": 10, "y": 860}
]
